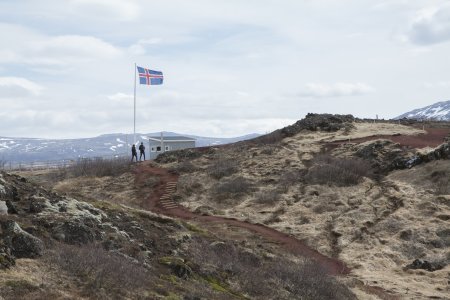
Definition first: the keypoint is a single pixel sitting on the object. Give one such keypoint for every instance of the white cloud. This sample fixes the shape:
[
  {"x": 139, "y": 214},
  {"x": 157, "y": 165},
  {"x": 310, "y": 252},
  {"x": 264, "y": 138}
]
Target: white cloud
[
  {"x": 320, "y": 90},
  {"x": 22, "y": 45},
  {"x": 76, "y": 46},
  {"x": 431, "y": 26},
  {"x": 12, "y": 87},
  {"x": 124, "y": 10},
  {"x": 121, "y": 97},
  {"x": 438, "y": 84}
]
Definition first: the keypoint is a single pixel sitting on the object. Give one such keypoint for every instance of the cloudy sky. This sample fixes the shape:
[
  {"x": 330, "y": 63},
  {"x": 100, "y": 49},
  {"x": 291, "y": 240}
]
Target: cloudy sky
[{"x": 231, "y": 67}]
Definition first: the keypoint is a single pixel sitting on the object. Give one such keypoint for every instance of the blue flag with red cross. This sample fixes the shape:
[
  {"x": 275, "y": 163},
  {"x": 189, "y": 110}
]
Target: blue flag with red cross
[{"x": 150, "y": 77}]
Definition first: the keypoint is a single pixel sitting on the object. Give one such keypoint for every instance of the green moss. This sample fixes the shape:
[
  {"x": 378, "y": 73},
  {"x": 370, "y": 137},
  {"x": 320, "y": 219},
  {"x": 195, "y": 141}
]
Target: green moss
[
  {"x": 223, "y": 288},
  {"x": 194, "y": 228},
  {"x": 170, "y": 278},
  {"x": 177, "y": 265},
  {"x": 171, "y": 260},
  {"x": 172, "y": 296},
  {"x": 215, "y": 285}
]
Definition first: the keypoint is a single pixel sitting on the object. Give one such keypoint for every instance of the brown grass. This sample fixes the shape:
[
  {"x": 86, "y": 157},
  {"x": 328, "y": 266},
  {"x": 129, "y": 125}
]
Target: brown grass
[
  {"x": 100, "y": 270},
  {"x": 441, "y": 178},
  {"x": 99, "y": 167},
  {"x": 329, "y": 170},
  {"x": 266, "y": 278},
  {"x": 222, "y": 167},
  {"x": 232, "y": 188},
  {"x": 267, "y": 197}
]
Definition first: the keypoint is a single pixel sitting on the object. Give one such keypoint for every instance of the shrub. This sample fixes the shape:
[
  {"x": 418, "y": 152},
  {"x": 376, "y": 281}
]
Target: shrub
[
  {"x": 267, "y": 197},
  {"x": 187, "y": 185},
  {"x": 339, "y": 171},
  {"x": 222, "y": 168},
  {"x": 272, "y": 138},
  {"x": 266, "y": 279},
  {"x": 99, "y": 167},
  {"x": 442, "y": 181},
  {"x": 99, "y": 269},
  {"x": 185, "y": 167},
  {"x": 290, "y": 178},
  {"x": 235, "y": 187},
  {"x": 268, "y": 150}
]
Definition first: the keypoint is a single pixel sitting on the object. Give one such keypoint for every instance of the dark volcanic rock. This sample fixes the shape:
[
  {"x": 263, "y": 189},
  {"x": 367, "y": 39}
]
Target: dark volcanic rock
[
  {"x": 74, "y": 233},
  {"x": 425, "y": 265},
  {"x": 21, "y": 243},
  {"x": 318, "y": 122},
  {"x": 184, "y": 154}
]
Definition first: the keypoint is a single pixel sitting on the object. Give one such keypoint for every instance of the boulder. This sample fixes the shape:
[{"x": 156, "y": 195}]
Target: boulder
[
  {"x": 75, "y": 233},
  {"x": 177, "y": 265},
  {"x": 425, "y": 265},
  {"x": 21, "y": 243}
]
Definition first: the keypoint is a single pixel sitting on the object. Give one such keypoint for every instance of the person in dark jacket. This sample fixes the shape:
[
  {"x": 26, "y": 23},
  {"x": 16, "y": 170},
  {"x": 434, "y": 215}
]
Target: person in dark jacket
[
  {"x": 133, "y": 152},
  {"x": 142, "y": 151}
]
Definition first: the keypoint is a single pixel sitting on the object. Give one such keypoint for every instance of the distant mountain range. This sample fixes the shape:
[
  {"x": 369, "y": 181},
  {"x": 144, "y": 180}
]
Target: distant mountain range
[
  {"x": 26, "y": 150},
  {"x": 438, "y": 111}
]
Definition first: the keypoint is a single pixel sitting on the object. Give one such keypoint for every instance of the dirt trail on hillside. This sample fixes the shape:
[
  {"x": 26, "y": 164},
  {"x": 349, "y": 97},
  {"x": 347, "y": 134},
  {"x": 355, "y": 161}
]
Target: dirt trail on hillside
[
  {"x": 154, "y": 203},
  {"x": 293, "y": 245}
]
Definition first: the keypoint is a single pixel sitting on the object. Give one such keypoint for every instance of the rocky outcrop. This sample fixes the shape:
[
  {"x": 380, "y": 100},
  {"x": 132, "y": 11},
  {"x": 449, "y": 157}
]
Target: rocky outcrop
[
  {"x": 425, "y": 265},
  {"x": 319, "y": 122},
  {"x": 441, "y": 152},
  {"x": 21, "y": 243},
  {"x": 184, "y": 154}
]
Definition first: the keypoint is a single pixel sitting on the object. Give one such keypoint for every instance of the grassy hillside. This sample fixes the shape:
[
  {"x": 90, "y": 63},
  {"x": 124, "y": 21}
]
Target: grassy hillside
[{"x": 270, "y": 218}]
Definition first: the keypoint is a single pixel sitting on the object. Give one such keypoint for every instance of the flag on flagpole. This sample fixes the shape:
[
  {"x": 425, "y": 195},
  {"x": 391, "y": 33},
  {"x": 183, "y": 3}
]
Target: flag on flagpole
[{"x": 150, "y": 77}]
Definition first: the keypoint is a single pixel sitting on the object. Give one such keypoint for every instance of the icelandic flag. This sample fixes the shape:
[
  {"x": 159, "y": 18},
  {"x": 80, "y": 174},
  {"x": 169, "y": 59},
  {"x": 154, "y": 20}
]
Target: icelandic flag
[{"x": 150, "y": 77}]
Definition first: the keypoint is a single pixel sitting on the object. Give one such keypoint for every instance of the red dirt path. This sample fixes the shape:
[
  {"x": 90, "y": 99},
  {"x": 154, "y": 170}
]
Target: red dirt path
[{"x": 330, "y": 265}]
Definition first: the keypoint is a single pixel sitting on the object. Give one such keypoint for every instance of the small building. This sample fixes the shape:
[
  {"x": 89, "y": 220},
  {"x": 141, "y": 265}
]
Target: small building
[{"x": 163, "y": 144}]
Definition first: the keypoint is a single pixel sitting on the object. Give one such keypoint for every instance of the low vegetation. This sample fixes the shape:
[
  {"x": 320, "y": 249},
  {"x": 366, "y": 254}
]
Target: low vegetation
[
  {"x": 99, "y": 167},
  {"x": 267, "y": 197},
  {"x": 264, "y": 278},
  {"x": 232, "y": 188},
  {"x": 330, "y": 170},
  {"x": 103, "y": 273},
  {"x": 222, "y": 167},
  {"x": 442, "y": 182}
]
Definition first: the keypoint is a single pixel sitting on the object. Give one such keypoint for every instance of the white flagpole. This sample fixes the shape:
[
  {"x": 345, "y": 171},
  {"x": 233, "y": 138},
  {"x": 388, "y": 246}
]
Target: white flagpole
[{"x": 134, "y": 128}]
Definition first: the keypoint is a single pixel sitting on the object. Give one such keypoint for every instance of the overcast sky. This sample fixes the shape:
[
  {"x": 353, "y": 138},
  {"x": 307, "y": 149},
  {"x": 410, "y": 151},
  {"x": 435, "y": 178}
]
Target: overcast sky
[{"x": 231, "y": 67}]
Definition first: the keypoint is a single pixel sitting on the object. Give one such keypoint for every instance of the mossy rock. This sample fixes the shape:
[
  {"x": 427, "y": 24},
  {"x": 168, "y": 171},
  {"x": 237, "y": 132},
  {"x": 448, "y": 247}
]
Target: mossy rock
[{"x": 177, "y": 265}]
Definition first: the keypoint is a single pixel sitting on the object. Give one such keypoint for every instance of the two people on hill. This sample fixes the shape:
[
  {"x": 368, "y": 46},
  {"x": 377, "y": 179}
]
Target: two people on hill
[{"x": 134, "y": 152}]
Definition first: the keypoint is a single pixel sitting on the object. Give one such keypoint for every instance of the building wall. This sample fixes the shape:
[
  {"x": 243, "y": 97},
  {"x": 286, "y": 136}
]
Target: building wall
[{"x": 168, "y": 146}]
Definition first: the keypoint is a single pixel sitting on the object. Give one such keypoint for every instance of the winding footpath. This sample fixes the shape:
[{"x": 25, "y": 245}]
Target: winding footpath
[{"x": 160, "y": 201}]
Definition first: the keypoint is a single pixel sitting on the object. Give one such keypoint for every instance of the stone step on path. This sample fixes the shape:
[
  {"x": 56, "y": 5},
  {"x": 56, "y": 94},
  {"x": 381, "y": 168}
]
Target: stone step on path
[{"x": 166, "y": 199}]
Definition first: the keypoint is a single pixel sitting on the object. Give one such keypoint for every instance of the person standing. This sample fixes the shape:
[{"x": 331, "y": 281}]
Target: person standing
[
  {"x": 133, "y": 152},
  {"x": 142, "y": 151}
]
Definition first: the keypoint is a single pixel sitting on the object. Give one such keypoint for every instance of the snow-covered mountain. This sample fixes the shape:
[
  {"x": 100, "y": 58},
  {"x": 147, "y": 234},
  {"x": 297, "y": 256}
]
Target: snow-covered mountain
[
  {"x": 26, "y": 150},
  {"x": 438, "y": 111}
]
